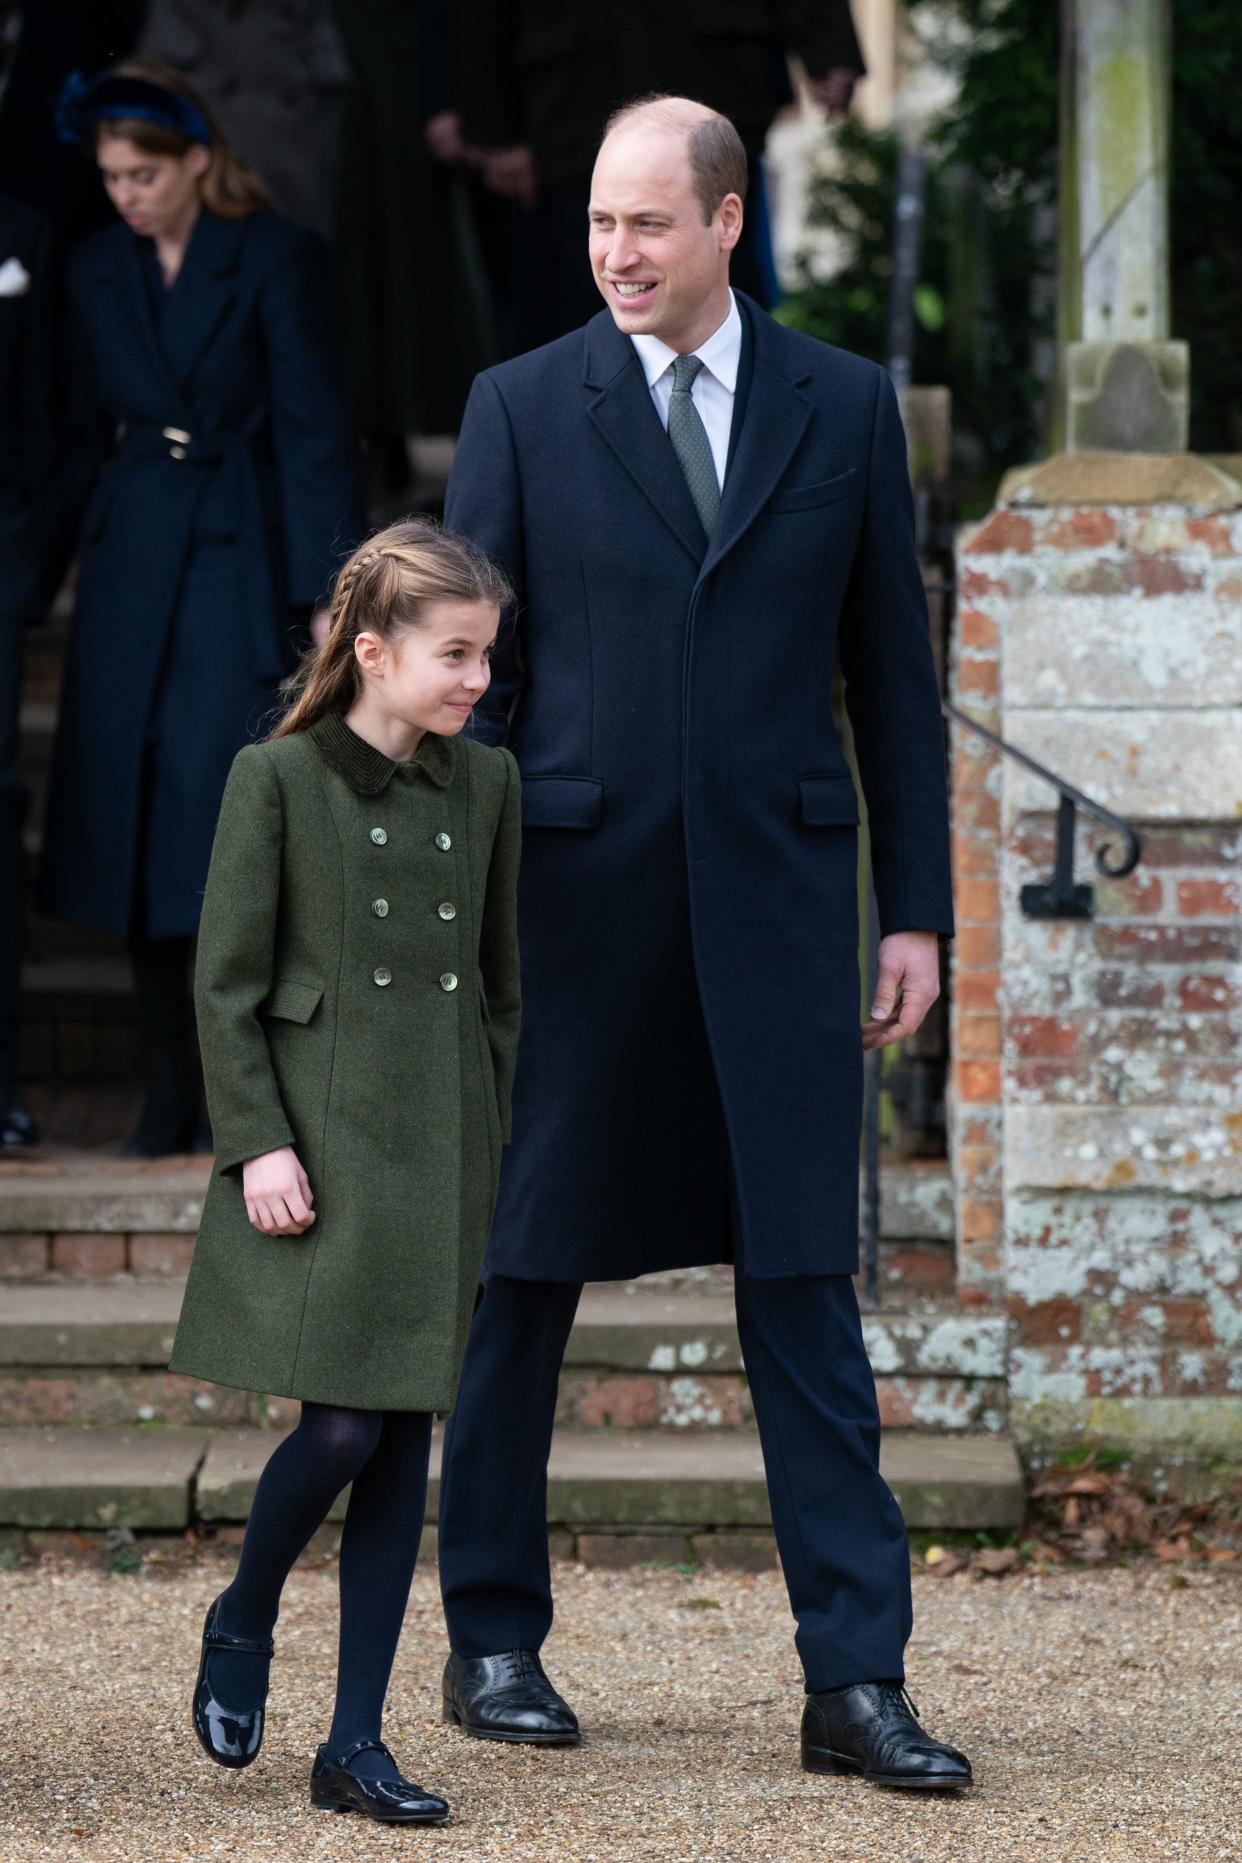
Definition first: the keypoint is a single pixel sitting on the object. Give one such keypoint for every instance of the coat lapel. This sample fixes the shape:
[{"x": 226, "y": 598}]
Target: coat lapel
[
  {"x": 136, "y": 311},
  {"x": 623, "y": 413},
  {"x": 773, "y": 419},
  {"x": 203, "y": 293}
]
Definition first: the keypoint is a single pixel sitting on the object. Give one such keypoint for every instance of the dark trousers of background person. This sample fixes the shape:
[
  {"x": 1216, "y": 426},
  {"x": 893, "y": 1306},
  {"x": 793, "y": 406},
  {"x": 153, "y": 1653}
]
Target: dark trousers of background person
[
  {"x": 840, "y": 1533},
  {"x": 541, "y": 271},
  {"x": 12, "y": 877}
]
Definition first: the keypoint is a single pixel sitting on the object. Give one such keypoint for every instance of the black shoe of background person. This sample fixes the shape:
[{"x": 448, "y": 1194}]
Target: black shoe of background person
[
  {"x": 230, "y": 1736},
  {"x": 17, "y": 1129},
  {"x": 870, "y": 1727},
  {"x": 389, "y": 1801},
  {"x": 507, "y": 1697}
]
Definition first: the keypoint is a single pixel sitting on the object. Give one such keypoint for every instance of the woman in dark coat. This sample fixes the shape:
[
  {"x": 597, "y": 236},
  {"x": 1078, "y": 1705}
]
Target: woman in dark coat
[{"x": 213, "y": 484}]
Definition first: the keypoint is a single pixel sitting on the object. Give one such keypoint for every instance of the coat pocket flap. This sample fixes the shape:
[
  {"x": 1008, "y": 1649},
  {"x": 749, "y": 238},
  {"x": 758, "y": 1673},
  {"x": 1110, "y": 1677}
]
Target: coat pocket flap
[
  {"x": 829, "y": 801},
  {"x": 562, "y": 801},
  {"x": 806, "y": 497},
  {"x": 291, "y": 1001}
]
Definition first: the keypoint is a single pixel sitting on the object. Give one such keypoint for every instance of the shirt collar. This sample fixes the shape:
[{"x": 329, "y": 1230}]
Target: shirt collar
[
  {"x": 368, "y": 770},
  {"x": 721, "y": 354}
]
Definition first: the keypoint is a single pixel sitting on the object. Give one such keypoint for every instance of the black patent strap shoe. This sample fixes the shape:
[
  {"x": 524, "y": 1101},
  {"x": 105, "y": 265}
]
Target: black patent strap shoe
[
  {"x": 230, "y": 1736},
  {"x": 871, "y": 1729},
  {"x": 507, "y": 1697},
  {"x": 389, "y": 1801}
]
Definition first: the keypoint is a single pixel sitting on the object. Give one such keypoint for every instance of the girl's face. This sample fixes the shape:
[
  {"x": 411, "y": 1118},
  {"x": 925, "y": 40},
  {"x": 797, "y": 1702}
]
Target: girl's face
[
  {"x": 154, "y": 194},
  {"x": 432, "y": 676}
]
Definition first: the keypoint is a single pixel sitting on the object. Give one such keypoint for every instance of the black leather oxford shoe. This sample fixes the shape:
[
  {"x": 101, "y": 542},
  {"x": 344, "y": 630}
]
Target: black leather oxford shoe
[
  {"x": 389, "y": 1801},
  {"x": 871, "y": 1728},
  {"x": 230, "y": 1736},
  {"x": 507, "y": 1697}
]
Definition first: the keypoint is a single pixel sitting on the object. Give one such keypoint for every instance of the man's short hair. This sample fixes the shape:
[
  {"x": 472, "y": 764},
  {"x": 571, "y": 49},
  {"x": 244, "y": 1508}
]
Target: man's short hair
[{"x": 718, "y": 163}]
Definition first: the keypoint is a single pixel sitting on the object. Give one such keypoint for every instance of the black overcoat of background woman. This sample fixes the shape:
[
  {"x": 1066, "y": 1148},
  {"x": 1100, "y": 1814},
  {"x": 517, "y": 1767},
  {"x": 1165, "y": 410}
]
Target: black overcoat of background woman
[{"x": 213, "y": 482}]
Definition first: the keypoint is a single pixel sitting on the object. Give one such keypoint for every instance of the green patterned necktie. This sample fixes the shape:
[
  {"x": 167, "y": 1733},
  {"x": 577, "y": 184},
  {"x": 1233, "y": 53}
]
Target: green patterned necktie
[{"x": 690, "y": 442}]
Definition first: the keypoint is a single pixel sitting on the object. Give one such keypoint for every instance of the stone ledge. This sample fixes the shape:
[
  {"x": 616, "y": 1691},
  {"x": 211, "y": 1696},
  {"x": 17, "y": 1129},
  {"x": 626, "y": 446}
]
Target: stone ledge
[
  {"x": 98, "y": 1478},
  {"x": 1124, "y": 479},
  {"x": 643, "y": 1482},
  {"x": 116, "y": 1323}
]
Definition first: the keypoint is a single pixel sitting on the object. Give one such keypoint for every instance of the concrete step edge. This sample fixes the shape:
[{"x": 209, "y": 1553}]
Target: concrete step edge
[
  {"x": 618, "y": 1329},
  {"x": 160, "y": 1479}
]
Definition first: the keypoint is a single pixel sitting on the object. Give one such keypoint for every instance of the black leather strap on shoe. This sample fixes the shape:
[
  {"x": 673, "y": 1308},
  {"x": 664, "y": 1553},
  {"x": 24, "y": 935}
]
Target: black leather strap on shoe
[
  {"x": 247, "y": 1646},
  {"x": 363, "y": 1746}
]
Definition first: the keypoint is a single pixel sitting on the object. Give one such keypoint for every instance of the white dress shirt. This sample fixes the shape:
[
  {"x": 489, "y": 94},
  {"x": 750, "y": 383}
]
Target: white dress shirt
[{"x": 714, "y": 386}]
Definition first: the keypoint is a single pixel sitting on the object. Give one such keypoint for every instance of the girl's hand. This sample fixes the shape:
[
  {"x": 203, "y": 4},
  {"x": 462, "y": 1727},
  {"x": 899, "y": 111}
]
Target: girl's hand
[{"x": 279, "y": 1199}]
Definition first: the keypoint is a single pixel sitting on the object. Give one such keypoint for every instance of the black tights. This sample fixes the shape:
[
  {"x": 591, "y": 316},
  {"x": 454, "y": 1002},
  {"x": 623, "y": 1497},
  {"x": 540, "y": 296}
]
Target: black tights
[{"x": 385, "y": 1454}]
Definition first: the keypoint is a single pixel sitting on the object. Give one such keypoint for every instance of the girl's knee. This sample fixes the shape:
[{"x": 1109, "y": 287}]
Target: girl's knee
[{"x": 343, "y": 1439}]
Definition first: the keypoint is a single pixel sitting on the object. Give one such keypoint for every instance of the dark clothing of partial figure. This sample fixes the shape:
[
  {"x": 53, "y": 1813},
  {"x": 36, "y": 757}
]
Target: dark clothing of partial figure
[
  {"x": 213, "y": 484},
  {"x": 548, "y": 73},
  {"x": 688, "y": 896},
  {"x": 26, "y": 465},
  {"x": 839, "y": 1531},
  {"x": 274, "y": 75},
  {"x": 385, "y": 1455},
  {"x": 408, "y": 283},
  {"x": 35, "y": 165}
]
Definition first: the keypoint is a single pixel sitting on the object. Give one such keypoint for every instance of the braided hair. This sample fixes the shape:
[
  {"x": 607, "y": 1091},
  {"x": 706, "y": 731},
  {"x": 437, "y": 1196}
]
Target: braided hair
[{"x": 385, "y": 587}]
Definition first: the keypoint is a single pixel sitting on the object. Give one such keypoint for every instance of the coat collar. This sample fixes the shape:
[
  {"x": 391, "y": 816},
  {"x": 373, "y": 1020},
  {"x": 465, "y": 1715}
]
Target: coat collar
[
  {"x": 204, "y": 290},
  {"x": 368, "y": 770},
  {"x": 770, "y": 416}
]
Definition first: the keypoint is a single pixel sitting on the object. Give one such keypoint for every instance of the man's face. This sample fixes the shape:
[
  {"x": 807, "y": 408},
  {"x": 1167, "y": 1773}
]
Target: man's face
[{"x": 660, "y": 269}]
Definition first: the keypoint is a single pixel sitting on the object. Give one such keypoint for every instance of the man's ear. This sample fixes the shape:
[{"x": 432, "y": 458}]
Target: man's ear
[{"x": 730, "y": 214}]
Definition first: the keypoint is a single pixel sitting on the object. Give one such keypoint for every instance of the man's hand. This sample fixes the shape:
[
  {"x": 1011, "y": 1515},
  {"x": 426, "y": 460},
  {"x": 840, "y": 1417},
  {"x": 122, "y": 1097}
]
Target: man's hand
[
  {"x": 278, "y": 1194},
  {"x": 834, "y": 90},
  {"x": 908, "y": 985}
]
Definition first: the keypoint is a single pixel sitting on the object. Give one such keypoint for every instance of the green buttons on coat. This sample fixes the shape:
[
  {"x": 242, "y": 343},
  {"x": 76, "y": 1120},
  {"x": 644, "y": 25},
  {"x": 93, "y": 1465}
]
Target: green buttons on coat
[
  {"x": 448, "y": 981},
  {"x": 379, "y": 836},
  {"x": 444, "y": 842},
  {"x": 380, "y": 908},
  {"x": 448, "y": 910},
  {"x": 383, "y": 976}
]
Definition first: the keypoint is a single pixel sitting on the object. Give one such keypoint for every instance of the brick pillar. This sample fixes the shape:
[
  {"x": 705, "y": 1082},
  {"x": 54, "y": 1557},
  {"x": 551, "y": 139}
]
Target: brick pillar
[{"x": 1097, "y": 1065}]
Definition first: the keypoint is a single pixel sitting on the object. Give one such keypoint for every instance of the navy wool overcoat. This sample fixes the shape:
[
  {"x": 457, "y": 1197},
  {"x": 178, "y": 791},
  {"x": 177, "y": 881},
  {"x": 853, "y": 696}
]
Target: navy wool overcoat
[
  {"x": 687, "y": 903},
  {"x": 212, "y": 484}
]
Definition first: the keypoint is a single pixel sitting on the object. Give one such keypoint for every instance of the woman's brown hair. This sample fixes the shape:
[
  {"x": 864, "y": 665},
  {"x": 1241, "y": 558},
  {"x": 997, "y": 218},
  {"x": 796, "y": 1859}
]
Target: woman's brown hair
[
  {"x": 230, "y": 186},
  {"x": 385, "y": 587}
]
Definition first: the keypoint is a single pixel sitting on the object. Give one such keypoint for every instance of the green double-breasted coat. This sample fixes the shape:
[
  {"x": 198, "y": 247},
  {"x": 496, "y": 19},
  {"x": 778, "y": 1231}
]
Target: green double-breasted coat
[{"x": 357, "y": 997}]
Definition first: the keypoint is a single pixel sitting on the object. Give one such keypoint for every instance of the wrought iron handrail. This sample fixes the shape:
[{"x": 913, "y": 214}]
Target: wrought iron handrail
[{"x": 1057, "y": 898}]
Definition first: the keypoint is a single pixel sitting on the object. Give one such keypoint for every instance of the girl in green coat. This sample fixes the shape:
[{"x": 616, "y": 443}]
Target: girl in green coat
[{"x": 357, "y": 996}]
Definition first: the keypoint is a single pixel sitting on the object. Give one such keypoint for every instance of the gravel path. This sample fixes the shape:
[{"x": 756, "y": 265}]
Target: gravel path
[{"x": 1102, "y": 1710}]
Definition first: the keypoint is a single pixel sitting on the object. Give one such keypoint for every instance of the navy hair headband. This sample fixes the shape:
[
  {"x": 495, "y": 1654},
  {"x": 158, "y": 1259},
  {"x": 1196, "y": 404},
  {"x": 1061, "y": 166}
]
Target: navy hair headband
[{"x": 87, "y": 101}]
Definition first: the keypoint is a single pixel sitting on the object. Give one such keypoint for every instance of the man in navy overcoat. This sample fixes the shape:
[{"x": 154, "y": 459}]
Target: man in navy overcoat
[{"x": 702, "y": 512}]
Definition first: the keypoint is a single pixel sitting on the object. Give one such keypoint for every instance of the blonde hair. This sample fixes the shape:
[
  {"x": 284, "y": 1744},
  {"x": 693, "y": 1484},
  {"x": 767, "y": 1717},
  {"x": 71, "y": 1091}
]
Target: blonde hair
[
  {"x": 230, "y": 187},
  {"x": 385, "y": 587}
]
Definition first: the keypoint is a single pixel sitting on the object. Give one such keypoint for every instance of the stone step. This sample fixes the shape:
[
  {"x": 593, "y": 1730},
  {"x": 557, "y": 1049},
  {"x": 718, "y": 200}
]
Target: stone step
[
  {"x": 62, "y": 1188},
  {"x": 95, "y": 1353},
  {"x": 88, "y": 1479}
]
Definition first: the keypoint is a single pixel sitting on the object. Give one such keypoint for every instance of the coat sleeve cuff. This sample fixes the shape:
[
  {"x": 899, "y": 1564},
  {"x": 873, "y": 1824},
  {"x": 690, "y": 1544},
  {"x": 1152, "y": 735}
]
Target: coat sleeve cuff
[{"x": 236, "y": 1150}]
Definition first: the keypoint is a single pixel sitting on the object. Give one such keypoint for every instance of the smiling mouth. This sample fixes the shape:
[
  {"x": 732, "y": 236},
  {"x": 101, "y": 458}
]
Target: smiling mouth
[{"x": 633, "y": 293}]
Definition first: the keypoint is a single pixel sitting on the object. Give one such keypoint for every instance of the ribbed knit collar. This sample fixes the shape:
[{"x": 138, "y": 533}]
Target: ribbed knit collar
[{"x": 368, "y": 770}]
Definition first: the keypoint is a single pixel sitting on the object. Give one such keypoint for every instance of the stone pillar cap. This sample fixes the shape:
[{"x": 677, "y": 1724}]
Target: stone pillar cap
[{"x": 1192, "y": 480}]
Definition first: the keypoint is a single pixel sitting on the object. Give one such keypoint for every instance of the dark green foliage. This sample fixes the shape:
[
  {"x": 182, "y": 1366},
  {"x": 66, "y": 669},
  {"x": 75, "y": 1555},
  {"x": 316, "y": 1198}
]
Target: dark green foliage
[
  {"x": 1205, "y": 216},
  {"x": 985, "y": 300}
]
